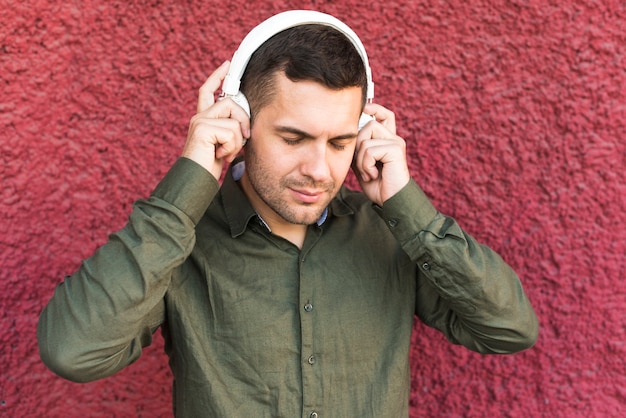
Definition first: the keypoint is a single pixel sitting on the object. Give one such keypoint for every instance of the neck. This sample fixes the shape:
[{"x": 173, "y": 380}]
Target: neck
[{"x": 292, "y": 233}]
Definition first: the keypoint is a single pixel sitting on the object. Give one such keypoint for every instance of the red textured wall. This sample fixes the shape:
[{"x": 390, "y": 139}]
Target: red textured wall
[{"x": 514, "y": 112}]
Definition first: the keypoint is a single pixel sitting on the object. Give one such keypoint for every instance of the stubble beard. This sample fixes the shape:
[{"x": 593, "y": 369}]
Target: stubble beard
[{"x": 271, "y": 192}]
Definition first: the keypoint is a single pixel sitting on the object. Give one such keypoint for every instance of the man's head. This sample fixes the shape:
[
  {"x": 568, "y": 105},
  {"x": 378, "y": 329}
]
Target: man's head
[
  {"x": 310, "y": 52},
  {"x": 306, "y": 88}
]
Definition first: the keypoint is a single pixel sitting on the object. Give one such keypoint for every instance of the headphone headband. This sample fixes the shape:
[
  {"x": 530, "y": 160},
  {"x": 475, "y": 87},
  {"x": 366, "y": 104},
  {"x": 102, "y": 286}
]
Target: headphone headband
[{"x": 279, "y": 23}]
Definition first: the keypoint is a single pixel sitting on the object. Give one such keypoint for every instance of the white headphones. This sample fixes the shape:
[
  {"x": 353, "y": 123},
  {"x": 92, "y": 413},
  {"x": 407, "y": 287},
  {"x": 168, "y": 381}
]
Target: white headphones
[{"x": 274, "y": 25}]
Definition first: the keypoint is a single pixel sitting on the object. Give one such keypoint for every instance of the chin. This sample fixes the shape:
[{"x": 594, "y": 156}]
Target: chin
[{"x": 303, "y": 218}]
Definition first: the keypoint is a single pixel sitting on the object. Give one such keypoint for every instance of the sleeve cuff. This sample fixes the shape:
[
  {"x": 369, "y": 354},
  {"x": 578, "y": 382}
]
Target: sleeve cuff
[
  {"x": 188, "y": 187},
  {"x": 408, "y": 212}
]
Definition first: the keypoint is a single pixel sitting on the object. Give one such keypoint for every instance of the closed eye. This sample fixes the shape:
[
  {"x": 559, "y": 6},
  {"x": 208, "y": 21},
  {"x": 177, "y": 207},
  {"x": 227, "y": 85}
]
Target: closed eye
[
  {"x": 292, "y": 141},
  {"x": 341, "y": 144}
]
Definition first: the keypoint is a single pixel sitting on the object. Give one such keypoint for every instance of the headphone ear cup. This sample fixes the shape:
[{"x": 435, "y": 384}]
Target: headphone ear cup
[
  {"x": 241, "y": 100},
  {"x": 365, "y": 119}
]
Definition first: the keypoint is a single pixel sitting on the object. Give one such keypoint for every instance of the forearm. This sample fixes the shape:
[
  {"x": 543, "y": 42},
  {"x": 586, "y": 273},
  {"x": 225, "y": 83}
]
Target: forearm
[
  {"x": 465, "y": 289},
  {"x": 99, "y": 319},
  {"x": 470, "y": 293}
]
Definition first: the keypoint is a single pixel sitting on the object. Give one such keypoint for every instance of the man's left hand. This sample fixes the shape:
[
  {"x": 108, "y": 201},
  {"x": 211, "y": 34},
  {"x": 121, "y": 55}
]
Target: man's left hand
[{"x": 380, "y": 159}]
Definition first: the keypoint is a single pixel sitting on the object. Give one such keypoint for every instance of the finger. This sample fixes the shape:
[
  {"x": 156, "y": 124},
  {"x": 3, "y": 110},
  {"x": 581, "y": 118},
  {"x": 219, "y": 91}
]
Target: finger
[
  {"x": 222, "y": 134},
  {"x": 369, "y": 167},
  {"x": 229, "y": 142},
  {"x": 239, "y": 114},
  {"x": 373, "y": 154},
  {"x": 364, "y": 136},
  {"x": 228, "y": 109},
  {"x": 206, "y": 94},
  {"x": 383, "y": 116},
  {"x": 365, "y": 160}
]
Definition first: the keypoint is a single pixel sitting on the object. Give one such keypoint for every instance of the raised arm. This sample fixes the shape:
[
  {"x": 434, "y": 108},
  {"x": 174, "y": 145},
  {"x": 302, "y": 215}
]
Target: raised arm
[
  {"x": 100, "y": 318},
  {"x": 464, "y": 289}
]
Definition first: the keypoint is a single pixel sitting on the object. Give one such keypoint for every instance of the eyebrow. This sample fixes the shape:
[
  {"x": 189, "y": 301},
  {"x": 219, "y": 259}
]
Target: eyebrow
[{"x": 306, "y": 135}]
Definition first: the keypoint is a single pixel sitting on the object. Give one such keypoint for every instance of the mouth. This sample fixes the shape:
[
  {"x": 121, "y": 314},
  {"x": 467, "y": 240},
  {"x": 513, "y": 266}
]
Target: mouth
[{"x": 307, "y": 196}]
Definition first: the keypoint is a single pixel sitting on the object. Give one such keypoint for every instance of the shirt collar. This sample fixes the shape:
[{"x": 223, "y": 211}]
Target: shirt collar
[{"x": 239, "y": 211}]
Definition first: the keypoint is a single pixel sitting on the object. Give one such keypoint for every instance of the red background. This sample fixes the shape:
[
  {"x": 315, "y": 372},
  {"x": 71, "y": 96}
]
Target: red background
[{"x": 514, "y": 113}]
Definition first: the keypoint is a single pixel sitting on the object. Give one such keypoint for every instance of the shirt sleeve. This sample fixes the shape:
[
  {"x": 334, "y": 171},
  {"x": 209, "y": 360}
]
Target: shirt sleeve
[
  {"x": 464, "y": 289},
  {"x": 99, "y": 319}
]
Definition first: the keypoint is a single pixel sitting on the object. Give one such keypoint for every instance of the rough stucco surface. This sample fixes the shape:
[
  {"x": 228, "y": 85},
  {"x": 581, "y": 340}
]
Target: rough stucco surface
[{"x": 514, "y": 113}]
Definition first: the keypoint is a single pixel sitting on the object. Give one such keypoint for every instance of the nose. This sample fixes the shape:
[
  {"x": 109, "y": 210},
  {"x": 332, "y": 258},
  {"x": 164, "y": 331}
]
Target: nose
[{"x": 315, "y": 164}]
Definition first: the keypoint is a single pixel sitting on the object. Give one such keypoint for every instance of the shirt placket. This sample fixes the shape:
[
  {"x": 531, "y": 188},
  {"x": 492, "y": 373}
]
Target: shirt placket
[{"x": 311, "y": 359}]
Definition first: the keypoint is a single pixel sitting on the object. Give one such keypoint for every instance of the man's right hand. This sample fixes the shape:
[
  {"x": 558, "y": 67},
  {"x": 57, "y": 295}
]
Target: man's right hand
[{"x": 217, "y": 132}]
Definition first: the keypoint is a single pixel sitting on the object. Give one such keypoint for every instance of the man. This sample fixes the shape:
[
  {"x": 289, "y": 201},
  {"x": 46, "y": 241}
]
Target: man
[{"x": 281, "y": 293}]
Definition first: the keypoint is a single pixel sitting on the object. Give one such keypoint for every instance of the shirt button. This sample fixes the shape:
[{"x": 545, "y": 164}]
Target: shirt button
[
  {"x": 392, "y": 223},
  {"x": 311, "y": 360},
  {"x": 308, "y": 307},
  {"x": 313, "y": 415},
  {"x": 426, "y": 266}
]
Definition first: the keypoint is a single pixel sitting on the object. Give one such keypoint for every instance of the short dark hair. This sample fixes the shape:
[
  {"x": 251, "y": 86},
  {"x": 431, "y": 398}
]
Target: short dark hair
[{"x": 311, "y": 52}]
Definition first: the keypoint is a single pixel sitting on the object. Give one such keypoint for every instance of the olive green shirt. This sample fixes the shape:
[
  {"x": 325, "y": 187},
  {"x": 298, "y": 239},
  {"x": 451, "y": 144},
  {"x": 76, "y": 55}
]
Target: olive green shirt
[{"x": 255, "y": 326}]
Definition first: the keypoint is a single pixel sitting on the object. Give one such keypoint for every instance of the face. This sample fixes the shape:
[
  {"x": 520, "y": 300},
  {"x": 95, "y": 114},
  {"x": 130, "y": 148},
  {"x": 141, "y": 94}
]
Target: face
[{"x": 301, "y": 148}]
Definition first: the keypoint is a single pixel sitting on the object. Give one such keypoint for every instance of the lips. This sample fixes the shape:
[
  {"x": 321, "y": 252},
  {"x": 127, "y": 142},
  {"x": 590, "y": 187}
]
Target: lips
[{"x": 307, "y": 196}]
